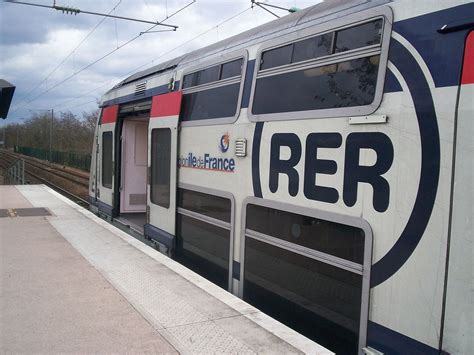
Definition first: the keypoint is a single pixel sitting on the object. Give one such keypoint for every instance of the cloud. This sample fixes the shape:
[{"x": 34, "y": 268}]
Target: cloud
[{"x": 33, "y": 41}]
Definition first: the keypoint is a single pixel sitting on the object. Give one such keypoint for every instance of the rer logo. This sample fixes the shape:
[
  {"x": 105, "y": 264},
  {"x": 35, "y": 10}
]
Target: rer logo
[
  {"x": 354, "y": 172},
  {"x": 224, "y": 142}
]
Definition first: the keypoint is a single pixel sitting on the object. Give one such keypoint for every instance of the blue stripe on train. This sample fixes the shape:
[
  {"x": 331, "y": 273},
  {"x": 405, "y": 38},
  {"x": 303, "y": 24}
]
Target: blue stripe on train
[
  {"x": 391, "y": 83},
  {"x": 389, "y": 341},
  {"x": 442, "y": 53}
]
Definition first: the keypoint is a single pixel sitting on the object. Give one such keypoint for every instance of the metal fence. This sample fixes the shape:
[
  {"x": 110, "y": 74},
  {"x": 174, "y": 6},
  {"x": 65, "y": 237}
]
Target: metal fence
[
  {"x": 71, "y": 159},
  {"x": 15, "y": 173}
]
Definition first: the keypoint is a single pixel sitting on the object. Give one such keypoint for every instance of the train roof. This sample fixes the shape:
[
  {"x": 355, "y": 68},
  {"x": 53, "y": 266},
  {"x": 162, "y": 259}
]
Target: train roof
[{"x": 324, "y": 11}]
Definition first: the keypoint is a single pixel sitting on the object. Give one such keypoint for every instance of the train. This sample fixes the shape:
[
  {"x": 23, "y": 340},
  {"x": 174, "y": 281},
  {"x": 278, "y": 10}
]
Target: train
[{"x": 318, "y": 166}]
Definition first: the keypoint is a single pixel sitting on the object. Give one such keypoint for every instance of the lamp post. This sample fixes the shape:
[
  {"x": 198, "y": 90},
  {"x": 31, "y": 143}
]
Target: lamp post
[{"x": 51, "y": 137}]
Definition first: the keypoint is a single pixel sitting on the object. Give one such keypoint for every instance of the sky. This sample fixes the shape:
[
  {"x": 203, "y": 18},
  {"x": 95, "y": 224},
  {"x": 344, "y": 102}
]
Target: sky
[{"x": 49, "y": 56}]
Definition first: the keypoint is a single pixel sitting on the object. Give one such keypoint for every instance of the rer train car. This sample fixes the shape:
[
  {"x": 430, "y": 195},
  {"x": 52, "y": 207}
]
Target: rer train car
[{"x": 318, "y": 166}]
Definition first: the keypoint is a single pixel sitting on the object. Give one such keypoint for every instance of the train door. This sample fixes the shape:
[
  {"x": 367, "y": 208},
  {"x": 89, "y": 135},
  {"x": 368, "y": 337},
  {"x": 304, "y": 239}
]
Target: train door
[
  {"x": 133, "y": 167},
  {"x": 162, "y": 162},
  {"x": 106, "y": 155}
]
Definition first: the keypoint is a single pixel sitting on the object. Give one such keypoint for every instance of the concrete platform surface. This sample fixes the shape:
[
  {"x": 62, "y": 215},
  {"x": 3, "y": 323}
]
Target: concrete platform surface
[{"x": 71, "y": 282}]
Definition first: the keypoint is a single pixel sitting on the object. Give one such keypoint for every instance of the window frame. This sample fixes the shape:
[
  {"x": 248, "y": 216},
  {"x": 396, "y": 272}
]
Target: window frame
[
  {"x": 363, "y": 270},
  {"x": 384, "y": 13},
  {"x": 111, "y": 185},
  {"x": 230, "y": 226},
  {"x": 152, "y": 155},
  {"x": 226, "y": 58}
]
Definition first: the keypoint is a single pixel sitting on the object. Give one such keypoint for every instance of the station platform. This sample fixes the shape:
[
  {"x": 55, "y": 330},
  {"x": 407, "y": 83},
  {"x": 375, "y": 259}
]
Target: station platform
[{"x": 71, "y": 282}]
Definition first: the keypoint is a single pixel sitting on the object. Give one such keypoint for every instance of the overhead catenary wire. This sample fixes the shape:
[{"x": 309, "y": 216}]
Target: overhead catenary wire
[
  {"x": 194, "y": 38},
  {"x": 156, "y": 58},
  {"x": 75, "y": 11},
  {"x": 264, "y": 8},
  {"x": 99, "y": 59},
  {"x": 265, "y": 5},
  {"x": 67, "y": 57}
]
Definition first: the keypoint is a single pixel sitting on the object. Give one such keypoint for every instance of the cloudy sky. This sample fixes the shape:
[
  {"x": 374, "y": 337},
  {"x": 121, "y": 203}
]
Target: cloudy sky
[{"x": 49, "y": 55}]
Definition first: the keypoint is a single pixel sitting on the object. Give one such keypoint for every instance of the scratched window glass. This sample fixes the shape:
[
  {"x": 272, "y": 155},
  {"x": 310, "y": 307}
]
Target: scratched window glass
[
  {"x": 359, "y": 36},
  {"x": 311, "y": 48},
  {"x": 107, "y": 158},
  {"x": 336, "y": 239},
  {"x": 213, "y": 103},
  {"x": 203, "y": 248},
  {"x": 205, "y": 204},
  {"x": 160, "y": 166},
  {"x": 318, "y": 300},
  {"x": 345, "y": 84},
  {"x": 276, "y": 57}
]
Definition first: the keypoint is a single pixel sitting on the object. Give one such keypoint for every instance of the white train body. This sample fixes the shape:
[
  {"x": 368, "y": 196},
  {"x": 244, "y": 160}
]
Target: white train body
[{"x": 342, "y": 208}]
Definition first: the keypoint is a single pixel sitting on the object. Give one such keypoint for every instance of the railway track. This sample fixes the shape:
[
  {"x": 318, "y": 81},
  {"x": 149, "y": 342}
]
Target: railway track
[
  {"x": 68, "y": 174},
  {"x": 74, "y": 185}
]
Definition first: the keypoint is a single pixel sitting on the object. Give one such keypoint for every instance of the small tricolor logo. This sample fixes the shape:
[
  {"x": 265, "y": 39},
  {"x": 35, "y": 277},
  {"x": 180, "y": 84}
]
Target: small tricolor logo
[{"x": 224, "y": 143}]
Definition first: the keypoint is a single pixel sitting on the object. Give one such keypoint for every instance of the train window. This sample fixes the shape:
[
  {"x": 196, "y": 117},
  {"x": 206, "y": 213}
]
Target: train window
[
  {"x": 276, "y": 57},
  {"x": 160, "y": 167},
  {"x": 231, "y": 69},
  {"x": 208, "y": 75},
  {"x": 313, "y": 47},
  {"x": 190, "y": 80},
  {"x": 314, "y": 78},
  {"x": 211, "y": 103},
  {"x": 308, "y": 273},
  {"x": 359, "y": 36},
  {"x": 107, "y": 158},
  {"x": 205, "y": 204},
  {"x": 344, "y": 84},
  {"x": 336, "y": 239},
  {"x": 203, "y": 235},
  {"x": 218, "y": 99},
  {"x": 318, "y": 300}
]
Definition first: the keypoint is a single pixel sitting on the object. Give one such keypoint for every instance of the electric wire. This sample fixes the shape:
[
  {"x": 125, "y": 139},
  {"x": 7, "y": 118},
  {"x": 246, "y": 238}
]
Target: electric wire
[
  {"x": 99, "y": 59},
  {"x": 66, "y": 58},
  {"x": 156, "y": 58}
]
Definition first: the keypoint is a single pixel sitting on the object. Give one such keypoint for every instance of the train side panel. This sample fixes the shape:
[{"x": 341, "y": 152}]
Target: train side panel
[{"x": 458, "y": 332}]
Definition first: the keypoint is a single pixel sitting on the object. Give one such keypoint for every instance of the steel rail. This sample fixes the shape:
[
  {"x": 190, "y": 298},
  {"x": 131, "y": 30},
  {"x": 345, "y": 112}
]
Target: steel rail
[{"x": 51, "y": 169}]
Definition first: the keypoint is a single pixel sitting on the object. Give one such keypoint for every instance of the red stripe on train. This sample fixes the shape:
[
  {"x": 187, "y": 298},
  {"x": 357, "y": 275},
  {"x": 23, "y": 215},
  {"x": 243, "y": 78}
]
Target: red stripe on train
[
  {"x": 166, "y": 105},
  {"x": 109, "y": 114},
  {"x": 468, "y": 65}
]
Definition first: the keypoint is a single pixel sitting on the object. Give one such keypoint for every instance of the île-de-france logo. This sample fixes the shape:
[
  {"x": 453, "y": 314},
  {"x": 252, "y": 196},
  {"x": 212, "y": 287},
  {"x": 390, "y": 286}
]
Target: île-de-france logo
[{"x": 224, "y": 142}]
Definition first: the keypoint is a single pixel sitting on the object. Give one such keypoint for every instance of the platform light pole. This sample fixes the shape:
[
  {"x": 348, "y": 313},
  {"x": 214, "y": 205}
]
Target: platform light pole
[{"x": 51, "y": 137}]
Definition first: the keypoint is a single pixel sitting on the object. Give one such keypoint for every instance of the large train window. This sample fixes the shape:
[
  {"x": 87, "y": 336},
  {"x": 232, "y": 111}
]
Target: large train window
[
  {"x": 160, "y": 167},
  {"x": 107, "y": 158},
  {"x": 212, "y": 94},
  {"x": 203, "y": 234},
  {"x": 311, "y": 273},
  {"x": 335, "y": 73}
]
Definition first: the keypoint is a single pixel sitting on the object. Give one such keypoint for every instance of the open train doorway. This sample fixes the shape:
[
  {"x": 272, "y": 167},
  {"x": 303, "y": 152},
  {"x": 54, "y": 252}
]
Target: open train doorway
[{"x": 132, "y": 193}]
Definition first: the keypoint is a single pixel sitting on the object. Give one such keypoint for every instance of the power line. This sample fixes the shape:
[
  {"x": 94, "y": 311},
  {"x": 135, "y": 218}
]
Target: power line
[
  {"x": 81, "y": 104},
  {"x": 265, "y": 5},
  {"x": 67, "y": 57},
  {"x": 88, "y": 92},
  {"x": 162, "y": 55},
  {"x": 194, "y": 38},
  {"x": 74, "y": 11},
  {"x": 99, "y": 59}
]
